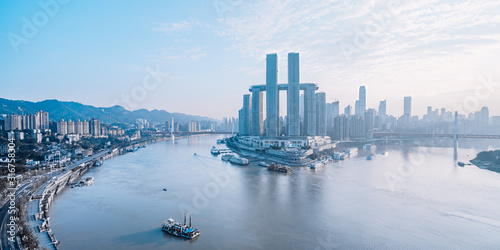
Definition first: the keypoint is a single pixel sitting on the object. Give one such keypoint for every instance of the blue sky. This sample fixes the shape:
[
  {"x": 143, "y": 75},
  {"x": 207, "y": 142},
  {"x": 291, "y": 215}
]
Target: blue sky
[{"x": 200, "y": 57}]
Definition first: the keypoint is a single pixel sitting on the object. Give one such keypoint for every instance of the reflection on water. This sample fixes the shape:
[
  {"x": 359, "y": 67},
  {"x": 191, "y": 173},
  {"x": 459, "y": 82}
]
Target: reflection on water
[{"x": 415, "y": 197}]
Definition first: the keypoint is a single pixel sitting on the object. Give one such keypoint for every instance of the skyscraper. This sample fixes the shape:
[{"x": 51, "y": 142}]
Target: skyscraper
[
  {"x": 407, "y": 106},
  {"x": 362, "y": 100},
  {"x": 272, "y": 95},
  {"x": 293, "y": 95},
  {"x": 382, "y": 110},
  {"x": 245, "y": 116},
  {"x": 257, "y": 112},
  {"x": 348, "y": 110},
  {"x": 310, "y": 111},
  {"x": 321, "y": 114}
]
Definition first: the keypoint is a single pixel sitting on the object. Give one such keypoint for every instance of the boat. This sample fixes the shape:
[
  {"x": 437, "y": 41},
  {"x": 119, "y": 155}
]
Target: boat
[
  {"x": 279, "y": 168},
  {"x": 220, "y": 141},
  {"x": 226, "y": 157},
  {"x": 165, "y": 189},
  {"x": 214, "y": 151},
  {"x": 263, "y": 164},
  {"x": 98, "y": 163},
  {"x": 316, "y": 164},
  {"x": 239, "y": 161},
  {"x": 385, "y": 153},
  {"x": 87, "y": 181},
  {"x": 370, "y": 156},
  {"x": 338, "y": 156},
  {"x": 175, "y": 228},
  {"x": 351, "y": 151}
]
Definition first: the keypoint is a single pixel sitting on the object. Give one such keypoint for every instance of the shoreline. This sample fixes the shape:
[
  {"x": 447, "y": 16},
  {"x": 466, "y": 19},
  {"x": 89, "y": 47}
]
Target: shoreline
[{"x": 41, "y": 200}]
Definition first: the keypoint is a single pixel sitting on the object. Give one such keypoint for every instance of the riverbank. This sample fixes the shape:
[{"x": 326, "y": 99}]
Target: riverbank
[{"x": 42, "y": 199}]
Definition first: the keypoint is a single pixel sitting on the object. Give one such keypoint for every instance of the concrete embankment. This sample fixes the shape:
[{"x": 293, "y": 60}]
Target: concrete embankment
[{"x": 41, "y": 200}]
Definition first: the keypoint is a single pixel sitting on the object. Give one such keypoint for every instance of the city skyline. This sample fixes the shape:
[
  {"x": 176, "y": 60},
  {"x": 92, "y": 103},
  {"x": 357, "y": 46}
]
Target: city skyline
[{"x": 414, "y": 49}]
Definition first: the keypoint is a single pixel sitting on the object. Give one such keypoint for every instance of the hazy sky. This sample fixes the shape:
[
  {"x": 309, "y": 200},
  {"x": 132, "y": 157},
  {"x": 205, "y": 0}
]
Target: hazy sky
[{"x": 200, "y": 57}]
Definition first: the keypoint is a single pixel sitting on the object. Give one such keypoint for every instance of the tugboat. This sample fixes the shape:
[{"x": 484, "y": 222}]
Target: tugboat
[
  {"x": 279, "y": 168},
  {"x": 175, "y": 228}
]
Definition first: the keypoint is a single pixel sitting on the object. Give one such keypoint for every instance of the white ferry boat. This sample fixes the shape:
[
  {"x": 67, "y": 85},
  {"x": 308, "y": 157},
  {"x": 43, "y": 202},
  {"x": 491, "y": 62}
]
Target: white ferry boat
[
  {"x": 338, "y": 156},
  {"x": 351, "y": 152},
  {"x": 214, "y": 151},
  {"x": 239, "y": 161},
  {"x": 226, "y": 157}
]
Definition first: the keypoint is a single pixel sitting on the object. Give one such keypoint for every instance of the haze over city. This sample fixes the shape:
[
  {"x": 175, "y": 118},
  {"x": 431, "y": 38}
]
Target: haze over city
[{"x": 212, "y": 51}]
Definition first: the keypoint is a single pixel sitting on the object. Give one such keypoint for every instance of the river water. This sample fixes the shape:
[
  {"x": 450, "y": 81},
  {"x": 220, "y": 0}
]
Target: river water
[{"x": 416, "y": 197}]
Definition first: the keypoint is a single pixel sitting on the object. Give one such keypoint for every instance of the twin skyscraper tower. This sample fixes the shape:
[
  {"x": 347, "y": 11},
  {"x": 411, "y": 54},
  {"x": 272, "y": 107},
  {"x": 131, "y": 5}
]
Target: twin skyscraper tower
[{"x": 314, "y": 115}]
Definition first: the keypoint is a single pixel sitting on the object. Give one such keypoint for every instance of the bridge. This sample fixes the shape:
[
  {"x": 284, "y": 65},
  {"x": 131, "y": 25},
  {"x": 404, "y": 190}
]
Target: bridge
[
  {"x": 403, "y": 134},
  {"x": 184, "y": 133}
]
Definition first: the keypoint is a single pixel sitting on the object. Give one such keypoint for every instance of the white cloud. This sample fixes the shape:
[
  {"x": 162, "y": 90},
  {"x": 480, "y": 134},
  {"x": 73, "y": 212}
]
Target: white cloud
[
  {"x": 170, "y": 28},
  {"x": 411, "y": 46}
]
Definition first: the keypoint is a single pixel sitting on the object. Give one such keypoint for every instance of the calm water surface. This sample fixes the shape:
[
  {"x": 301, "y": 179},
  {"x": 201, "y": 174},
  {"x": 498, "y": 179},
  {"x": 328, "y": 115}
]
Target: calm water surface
[{"x": 414, "y": 198}]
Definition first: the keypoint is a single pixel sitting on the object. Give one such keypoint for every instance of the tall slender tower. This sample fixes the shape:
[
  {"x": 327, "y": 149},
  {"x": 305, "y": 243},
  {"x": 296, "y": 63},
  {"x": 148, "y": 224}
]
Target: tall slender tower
[
  {"x": 293, "y": 95},
  {"x": 362, "y": 100},
  {"x": 272, "y": 95}
]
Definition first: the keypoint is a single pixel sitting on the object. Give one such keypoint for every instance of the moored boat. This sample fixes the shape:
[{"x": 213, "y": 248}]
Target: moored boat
[{"x": 279, "y": 168}]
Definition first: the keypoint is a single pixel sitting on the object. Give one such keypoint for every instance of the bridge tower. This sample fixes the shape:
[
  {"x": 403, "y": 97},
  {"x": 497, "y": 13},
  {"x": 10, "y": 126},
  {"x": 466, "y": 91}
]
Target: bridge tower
[{"x": 455, "y": 135}]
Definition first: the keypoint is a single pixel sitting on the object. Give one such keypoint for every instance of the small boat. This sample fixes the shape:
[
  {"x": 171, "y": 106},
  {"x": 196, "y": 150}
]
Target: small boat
[
  {"x": 214, "y": 151},
  {"x": 263, "y": 164},
  {"x": 87, "y": 181},
  {"x": 239, "y": 161},
  {"x": 370, "y": 157},
  {"x": 316, "y": 164},
  {"x": 279, "y": 168},
  {"x": 165, "y": 189},
  {"x": 338, "y": 156},
  {"x": 226, "y": 157},
  {"x": 385, "y": 153},
  {"x": 351, "y": 152}
]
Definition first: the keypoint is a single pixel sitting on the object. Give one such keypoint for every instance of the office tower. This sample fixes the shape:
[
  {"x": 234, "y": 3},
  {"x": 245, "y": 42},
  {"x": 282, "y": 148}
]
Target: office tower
[
  {"x": 356, "y": 127},
  {"x": 321, "y": 114},
  {"x": 407, "y": 106},
  {"x": 257, "y": 112},
  {"x": 95, "y": 127},
  {"x": 362, "y": 100},
  {"x": 301, "y": 107},
  {"x": 348, "y": 110},
  {"x": 341, "y": 128},
  {"x": 382, "y": 110},
  {"x": 272, "y": 95},
  {"x": 310, "y": 111},
  {"x": 245, "y": 119},
  {"x": 369, "y": 120},
  {"x": 293, "y": 95}
]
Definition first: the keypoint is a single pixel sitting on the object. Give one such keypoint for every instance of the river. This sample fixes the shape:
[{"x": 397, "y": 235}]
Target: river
[{"x": 415, "y": 197}]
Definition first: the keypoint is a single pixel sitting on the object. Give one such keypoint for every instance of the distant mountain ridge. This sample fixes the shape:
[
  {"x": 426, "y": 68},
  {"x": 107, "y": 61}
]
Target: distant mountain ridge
[{"x": 73, "y": 110}]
